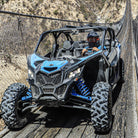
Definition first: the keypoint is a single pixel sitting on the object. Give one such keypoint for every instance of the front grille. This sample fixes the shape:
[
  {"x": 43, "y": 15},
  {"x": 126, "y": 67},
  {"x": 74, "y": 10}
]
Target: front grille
[
  {"x": 48, "y": 90},
  {"x": 42, "y": 78},
  {"x": 60, "y": 90}
]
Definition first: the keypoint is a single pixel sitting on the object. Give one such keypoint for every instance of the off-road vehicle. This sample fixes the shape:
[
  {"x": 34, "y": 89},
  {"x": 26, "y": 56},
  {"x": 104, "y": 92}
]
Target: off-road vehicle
[{"x": 59, "y": 76}]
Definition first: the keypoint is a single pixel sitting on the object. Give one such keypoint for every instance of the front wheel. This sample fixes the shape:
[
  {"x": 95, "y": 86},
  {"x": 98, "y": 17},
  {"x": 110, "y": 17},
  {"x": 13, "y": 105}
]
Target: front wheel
[
  {"x": 101, "y": 107},
  {"x": 12, "y": 106}
]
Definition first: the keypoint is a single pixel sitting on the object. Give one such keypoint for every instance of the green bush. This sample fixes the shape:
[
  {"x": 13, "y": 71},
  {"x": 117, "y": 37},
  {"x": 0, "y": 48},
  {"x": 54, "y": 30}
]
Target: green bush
[{"x": 56, "y": 12}]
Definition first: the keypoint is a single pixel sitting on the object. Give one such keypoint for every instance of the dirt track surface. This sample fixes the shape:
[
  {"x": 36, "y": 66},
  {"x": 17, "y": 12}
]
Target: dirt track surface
[{"x": 70, "y": 123}]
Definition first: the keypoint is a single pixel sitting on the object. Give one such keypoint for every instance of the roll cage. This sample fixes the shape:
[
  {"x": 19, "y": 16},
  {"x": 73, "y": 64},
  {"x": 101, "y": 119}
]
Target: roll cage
[{"x": 71, "y": 30}]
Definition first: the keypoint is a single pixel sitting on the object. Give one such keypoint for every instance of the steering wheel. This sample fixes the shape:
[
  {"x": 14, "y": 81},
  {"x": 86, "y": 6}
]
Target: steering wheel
[{"x": 89, "y": 52}]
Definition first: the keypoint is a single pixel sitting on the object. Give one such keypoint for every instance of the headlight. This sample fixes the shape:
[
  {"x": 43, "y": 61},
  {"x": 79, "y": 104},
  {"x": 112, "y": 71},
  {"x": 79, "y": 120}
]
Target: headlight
[
  {"x": 73, "y": 73},
  {"x": 30, "y": 73}
]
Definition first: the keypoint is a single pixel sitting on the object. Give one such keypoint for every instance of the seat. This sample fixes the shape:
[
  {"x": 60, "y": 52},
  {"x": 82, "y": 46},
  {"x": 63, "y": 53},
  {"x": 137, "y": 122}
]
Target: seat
[
  {"x": 75, "y": 44},
  {"x": 67, "y": 45},
  {"x": 107, "y": 43},
  {"x": 66, "y": 50},
  {"x": 76, "y": 48}
]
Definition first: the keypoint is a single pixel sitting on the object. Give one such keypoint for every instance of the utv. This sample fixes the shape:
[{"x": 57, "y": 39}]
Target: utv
[{"x": 60, "y": 77}]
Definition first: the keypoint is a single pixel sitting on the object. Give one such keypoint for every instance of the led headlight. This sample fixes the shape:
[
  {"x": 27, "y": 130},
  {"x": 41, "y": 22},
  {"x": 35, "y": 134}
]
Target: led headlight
[
  {"x": 73, "y": 73},
  {"x": 30, "y": 73}
]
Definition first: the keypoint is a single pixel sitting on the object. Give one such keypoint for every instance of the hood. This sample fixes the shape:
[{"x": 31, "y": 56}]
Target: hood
[
  {"x": 44, "y": 65},
  {"x": 49, "y": 66},
  {"x": 52, "y": 66}
]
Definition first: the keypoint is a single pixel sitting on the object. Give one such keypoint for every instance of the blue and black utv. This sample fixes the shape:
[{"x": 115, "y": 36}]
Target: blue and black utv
[{"x": 59, "y": 76}]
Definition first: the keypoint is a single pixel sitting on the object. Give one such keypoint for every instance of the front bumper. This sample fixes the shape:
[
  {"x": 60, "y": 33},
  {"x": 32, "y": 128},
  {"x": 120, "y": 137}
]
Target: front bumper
[{"x": 50, "y": 92}]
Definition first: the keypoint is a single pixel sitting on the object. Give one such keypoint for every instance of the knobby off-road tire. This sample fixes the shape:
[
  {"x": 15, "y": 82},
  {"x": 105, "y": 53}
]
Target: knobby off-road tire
[
  {"x": 122, "y": 71},
  {"x": 101, "y": 107},
  {"x": 11, "y": 107}
]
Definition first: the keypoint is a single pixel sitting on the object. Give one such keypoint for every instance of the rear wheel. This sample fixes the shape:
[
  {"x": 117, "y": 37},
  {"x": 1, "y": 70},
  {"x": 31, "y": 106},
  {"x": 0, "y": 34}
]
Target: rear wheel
[
  {"x": 101, "y": 107},
  {"x": 12, "y": 106}
]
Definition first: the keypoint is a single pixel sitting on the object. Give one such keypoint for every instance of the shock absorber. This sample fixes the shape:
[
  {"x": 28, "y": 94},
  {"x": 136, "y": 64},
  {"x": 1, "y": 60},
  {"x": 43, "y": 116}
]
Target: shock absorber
[{"x": 82, "y": 87}]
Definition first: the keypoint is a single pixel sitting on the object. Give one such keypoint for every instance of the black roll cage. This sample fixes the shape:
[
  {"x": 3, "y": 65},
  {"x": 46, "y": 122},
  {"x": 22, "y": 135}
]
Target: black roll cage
[{"x": 74, "y": 29}]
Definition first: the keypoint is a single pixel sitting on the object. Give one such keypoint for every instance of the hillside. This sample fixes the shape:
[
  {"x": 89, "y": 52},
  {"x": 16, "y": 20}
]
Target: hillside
[
  {"x": 134, "y": 5},
  {"x": 90, "y": 10}
]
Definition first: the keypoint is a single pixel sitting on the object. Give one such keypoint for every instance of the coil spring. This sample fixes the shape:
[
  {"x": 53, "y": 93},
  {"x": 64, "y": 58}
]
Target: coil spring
[{"x": 82, "y": 87}]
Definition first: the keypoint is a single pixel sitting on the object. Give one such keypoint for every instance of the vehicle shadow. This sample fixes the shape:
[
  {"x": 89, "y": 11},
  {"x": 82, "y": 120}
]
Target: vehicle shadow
[
  {"x": 65, "y": 117},
  {"x": 116, "y": 92}
]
